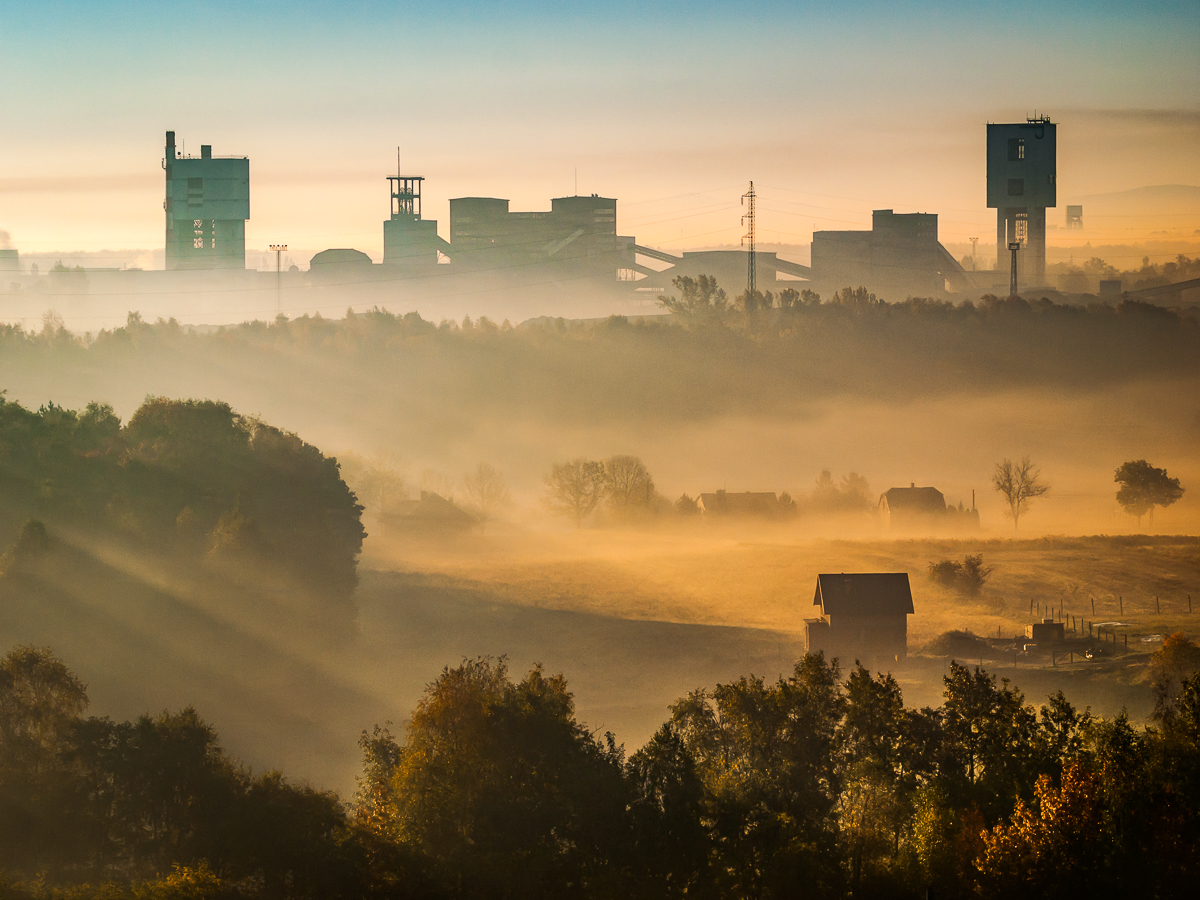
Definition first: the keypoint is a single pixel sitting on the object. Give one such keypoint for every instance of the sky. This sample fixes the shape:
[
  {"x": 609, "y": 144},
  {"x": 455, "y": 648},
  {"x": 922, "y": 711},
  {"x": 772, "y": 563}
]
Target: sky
[{"x": 832, "y": 109}]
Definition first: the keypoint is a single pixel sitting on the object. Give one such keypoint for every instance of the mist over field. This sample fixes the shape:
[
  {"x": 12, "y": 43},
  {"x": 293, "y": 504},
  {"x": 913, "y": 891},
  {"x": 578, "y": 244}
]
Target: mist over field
[
  {"x": 754, "y": 456},
  {"x": 921, "y": 393}
]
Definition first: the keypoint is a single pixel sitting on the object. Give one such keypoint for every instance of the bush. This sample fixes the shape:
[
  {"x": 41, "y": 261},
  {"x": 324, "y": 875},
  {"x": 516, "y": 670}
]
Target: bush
[{"x": 967, "y": 577}]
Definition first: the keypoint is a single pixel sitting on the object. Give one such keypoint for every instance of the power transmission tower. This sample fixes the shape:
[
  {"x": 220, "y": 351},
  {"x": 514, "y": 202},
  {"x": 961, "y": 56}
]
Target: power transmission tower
[
  {"x": 748, "y": 239},
  {"x": 974, "y": 242}
]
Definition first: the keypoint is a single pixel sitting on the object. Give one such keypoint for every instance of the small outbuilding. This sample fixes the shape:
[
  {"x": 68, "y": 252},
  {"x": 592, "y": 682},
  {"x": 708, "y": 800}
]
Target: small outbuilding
[
  {"x": 1046, "y": 631},
  {"x": 862, "y": 615},
  {"x": 431, "y": 516}
]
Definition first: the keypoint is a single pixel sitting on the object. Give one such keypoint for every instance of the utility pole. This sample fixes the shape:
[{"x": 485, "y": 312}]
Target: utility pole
[
  {"x": 279, "y": 248},
  {"x": 1013, "y": 246},
  {"x": 974, "y": 241},
  {"x": 748, "y": 239}
]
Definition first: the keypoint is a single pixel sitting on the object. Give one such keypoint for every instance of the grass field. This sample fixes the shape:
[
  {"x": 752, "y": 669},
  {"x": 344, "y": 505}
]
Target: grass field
[{"x": 698, "y": 576}]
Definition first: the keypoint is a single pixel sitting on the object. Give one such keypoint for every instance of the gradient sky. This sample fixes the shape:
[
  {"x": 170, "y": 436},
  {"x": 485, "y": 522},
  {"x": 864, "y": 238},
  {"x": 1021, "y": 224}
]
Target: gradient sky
[{"x": 832, "y": 108}]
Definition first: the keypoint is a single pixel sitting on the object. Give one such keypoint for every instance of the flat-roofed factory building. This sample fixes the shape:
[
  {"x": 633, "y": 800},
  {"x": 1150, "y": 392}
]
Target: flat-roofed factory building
[{"x": 207, "y": 204}]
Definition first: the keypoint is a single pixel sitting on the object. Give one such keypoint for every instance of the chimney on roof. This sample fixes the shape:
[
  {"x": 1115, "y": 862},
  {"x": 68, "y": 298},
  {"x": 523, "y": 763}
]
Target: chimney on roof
[{"x": 912, "y": 484}]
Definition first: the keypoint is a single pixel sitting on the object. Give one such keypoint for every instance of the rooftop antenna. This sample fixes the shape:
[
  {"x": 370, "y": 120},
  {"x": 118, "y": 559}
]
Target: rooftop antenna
[
  {"x": 397, "y": 162},
  {"x": 577, "y": 181},
  {"x": 748, "y": 238}
]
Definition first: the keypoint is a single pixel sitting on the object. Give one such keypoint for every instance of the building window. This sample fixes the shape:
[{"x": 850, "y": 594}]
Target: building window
[
  {"x": 1016, "y": 187},
  {"x": 1016, "y": 149}
]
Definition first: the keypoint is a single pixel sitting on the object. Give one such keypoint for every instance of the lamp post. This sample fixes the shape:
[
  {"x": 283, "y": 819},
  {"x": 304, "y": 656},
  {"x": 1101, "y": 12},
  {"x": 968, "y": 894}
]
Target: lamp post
[
  {"x": 1013, "y": 246},
  {"x": 279, "y": 248}
]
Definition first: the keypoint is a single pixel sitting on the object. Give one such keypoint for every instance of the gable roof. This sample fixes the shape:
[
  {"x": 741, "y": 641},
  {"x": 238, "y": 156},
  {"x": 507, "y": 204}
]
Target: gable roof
[
  {"x": 864, "y": 594},
  {"x": 431, "y": 508},
  {"x": 753, "y": 502},
  {"x": 913, "y": 499}
]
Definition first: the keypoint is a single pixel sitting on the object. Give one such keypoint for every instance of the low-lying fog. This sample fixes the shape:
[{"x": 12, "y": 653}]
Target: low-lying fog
[{"x": 636, "y": 614}]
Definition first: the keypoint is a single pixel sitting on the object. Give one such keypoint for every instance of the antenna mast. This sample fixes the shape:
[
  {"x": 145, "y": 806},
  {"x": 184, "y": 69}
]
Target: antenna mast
[{"x": 748, "y": 238}]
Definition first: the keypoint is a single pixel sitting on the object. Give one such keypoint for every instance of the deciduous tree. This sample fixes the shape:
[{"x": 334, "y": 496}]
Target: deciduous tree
[
  {"x": 487, "y": 491},
  {"x": 1019, "y": 483},
  {"x": 576, "y": 488},
  {"x": 1144, "y": 487},
  {"x": 628, "y": 485}
]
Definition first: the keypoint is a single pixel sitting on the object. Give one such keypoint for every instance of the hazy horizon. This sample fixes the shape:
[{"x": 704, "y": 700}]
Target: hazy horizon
[{"x": 834, "y": 113}]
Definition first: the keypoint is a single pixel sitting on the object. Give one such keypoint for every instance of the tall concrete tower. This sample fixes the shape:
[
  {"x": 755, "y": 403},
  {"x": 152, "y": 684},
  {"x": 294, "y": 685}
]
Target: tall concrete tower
[
  {"x": 1022, "y": 163},
  {"x": 207, "y": 205}
]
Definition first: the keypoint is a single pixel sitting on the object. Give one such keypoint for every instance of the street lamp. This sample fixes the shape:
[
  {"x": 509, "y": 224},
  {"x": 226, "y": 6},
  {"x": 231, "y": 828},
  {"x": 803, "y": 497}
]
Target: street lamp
[
  {"x": 279, "y": 248},
  {"x": 1014, "y": 246}
]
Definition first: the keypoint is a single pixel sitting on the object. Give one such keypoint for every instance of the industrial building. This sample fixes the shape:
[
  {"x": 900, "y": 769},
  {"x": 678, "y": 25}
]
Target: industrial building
[
  {"x": 410, "y": 241},
  {"x": 577, "y": 237},
  {"x": 899, "y": 257},
  {"x": 1022, "y": 165},
  {"x": 207, "y": 205}
]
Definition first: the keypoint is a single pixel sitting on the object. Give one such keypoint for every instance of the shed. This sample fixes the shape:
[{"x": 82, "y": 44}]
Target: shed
[
  {"x": 1046, "y": 631},
  {"x": 862, "y": 615}
]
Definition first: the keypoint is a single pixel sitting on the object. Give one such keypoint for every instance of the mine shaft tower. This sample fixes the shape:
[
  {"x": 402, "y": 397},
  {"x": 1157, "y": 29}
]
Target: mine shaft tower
[
  {"x": 207, "y": 204},
  {"x": 1021, "y": 186},
  {"x": 409, "y": 241}
]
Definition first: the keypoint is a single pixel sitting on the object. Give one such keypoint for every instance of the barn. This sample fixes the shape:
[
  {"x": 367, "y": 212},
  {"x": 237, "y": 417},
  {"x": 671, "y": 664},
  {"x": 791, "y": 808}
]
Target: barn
[{"x": 861, "y": 616}]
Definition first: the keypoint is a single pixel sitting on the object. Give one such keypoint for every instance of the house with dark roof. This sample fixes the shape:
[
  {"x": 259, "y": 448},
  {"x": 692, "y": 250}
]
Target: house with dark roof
[
  {"x": 861, "y": 616},
  {"x": 432, "y": 516},
  {"x": 762, "y": 504},
  {"x": 924, "y": 508}
]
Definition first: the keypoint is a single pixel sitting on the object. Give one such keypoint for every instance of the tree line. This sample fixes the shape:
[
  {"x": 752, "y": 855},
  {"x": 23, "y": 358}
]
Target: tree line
[
  {"x": 190, "y": 478},
  {"x": 677, "y": 367},
  {"x": 818, "y": 784}
]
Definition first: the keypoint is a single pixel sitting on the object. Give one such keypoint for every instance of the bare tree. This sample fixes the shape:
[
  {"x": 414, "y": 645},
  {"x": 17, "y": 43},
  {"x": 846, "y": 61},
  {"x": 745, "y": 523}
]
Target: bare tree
[
  {"x": 628, "y": 484},
  {"x": 487, "y": 492},
  {"x": 376, "y": 481},
  {"x": 576, "y": 488},
  {"x": 1019, "y": 483}
]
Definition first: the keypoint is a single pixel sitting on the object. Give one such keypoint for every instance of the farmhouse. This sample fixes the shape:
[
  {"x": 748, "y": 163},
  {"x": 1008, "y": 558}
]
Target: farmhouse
[
  {"x": 863, "y": 616},
  {"x": 924, "y": 508},
  {"x": 433, "y": 516},
  {"x": 763, "y": 504}
]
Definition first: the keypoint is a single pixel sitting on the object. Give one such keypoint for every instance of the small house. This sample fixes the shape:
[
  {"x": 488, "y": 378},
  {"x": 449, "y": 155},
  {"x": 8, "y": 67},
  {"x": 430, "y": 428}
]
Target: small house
[
  {"x": 862, "y": 615},
  {"x": 432, "y": 516},
  {"x": 924, "y": 508},
  {"x": 761, "y": 504},
  {"x": 904, "y": 504}
]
